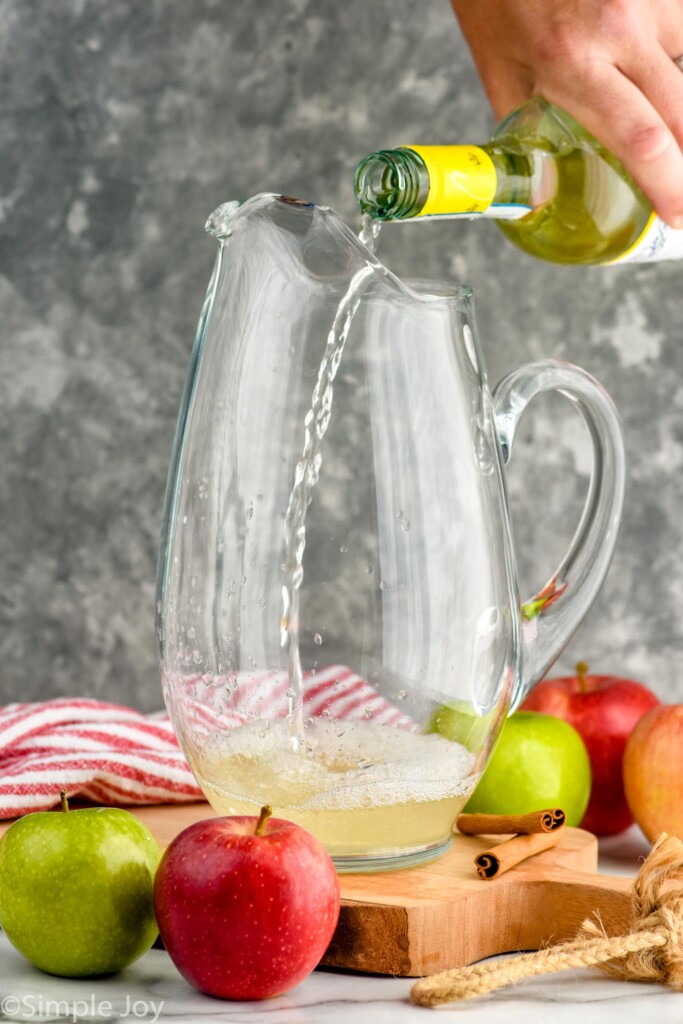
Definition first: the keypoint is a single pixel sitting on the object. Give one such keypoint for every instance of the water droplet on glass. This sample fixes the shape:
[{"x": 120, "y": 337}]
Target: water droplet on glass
[
  {"x": 381, "y": 584},
  {"x": 367, "y": 711},
  {"x": 250, "y": 512},
  {"x": 402, "y": 694},
  {"x": 192, "y": 632},
  {"x": 343, "y": 550},
  {"x": 317, "y": 639},
  {"x": 369, "y": 569},
  {"x": 196, "y": 657},
  {"x": 405, "y": 524}
]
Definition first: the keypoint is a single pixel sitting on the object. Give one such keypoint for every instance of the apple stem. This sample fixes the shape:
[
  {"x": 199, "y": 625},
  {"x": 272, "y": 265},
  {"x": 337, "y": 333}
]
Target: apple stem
[
  {"x": 581, "y": 672},
  {"x": 263, "y": 818},
  {"x": 63, "y": 800}
]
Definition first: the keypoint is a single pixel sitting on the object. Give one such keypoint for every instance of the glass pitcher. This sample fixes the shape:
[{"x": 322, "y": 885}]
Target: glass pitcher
[{"x": 340, "y": 628}]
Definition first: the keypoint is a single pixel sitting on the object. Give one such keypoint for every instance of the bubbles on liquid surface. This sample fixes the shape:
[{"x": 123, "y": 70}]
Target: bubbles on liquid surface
[{"x": 348, "y": 765}]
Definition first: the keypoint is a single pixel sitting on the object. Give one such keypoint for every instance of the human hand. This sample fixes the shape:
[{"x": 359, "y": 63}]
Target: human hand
[{"x": 608, "y": 63}]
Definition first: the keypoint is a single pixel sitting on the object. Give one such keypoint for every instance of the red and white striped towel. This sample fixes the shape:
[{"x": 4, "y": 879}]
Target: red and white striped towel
[
  {"x": 102, "y": 752},
  {"x": 111, "y": 754}
]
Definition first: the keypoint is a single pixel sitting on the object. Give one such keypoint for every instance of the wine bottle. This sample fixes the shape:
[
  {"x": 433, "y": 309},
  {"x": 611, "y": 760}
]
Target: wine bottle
[{"x": 553, "y": 189}]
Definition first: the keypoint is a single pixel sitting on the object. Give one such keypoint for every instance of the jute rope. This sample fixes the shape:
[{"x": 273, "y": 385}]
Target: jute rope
[{"x": 653, "y": 951}]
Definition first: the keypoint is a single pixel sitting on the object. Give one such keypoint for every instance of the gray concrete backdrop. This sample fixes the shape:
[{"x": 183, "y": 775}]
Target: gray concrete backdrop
[{"x": 123, "y": 123}]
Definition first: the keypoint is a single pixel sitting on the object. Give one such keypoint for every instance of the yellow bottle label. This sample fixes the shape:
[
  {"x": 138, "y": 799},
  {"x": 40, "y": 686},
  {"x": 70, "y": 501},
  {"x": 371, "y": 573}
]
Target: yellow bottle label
[{"x": 462, "y": 179}]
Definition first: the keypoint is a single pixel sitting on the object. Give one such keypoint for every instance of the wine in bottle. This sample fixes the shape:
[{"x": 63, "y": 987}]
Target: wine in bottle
[{"x": 553, "y": 189}]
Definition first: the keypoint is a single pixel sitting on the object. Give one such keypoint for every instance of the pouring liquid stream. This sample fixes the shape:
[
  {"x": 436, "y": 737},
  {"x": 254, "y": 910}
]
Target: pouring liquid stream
[
  {"x": 367, "y": 790},
  {"x": 307, "y": 474}
]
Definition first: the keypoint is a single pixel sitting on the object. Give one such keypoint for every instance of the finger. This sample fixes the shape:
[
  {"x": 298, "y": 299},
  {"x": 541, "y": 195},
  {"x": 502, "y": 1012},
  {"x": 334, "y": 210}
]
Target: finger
[
  {"x": 615, "y": 111},
  {"x": 661, "y": 82},
  {"x": 507, "y": 87},
  {"x": 507, "y": 83}
]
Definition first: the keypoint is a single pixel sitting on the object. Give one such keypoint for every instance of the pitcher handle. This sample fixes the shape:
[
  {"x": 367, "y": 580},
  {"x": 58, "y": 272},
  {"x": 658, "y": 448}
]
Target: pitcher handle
[{"x": 551, "y": 617}]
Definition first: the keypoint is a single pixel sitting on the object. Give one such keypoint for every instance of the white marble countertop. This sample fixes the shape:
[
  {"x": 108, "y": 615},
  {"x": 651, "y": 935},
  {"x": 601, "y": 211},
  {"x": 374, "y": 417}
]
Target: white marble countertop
[{"x": 152, "y": 990}]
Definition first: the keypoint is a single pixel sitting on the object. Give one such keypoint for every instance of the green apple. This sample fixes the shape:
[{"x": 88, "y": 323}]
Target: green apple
[
  {"x": 76, "y": 889},
  {"x": 460, "y": 722},
  {"x": 539, "y": 761}
]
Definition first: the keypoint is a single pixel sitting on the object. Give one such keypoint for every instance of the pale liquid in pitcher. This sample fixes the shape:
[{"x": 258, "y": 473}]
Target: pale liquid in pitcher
[{"x": 361, "y": 789}]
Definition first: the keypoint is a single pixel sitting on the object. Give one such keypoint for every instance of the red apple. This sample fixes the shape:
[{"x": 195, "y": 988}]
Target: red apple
[
  {"x": 604, "y": 711},
  {"x": 246, "y": 907},
  {"x": 653, "y": 771}
]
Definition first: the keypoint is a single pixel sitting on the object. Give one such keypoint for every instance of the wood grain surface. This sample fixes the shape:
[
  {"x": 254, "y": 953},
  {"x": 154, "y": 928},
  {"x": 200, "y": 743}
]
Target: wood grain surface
[{"x": 420, "y": 920}]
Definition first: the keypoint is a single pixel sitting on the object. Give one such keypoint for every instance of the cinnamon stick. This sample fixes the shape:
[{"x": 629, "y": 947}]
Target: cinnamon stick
[
  {"x": 650, "y": 951},
  {"x": 505, "y": 855},
  {"x": 510, "y": 824}
]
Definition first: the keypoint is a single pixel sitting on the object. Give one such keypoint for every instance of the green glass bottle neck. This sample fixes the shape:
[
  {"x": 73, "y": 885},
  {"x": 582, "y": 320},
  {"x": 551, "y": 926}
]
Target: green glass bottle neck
[{"x": 394, "y": 184}]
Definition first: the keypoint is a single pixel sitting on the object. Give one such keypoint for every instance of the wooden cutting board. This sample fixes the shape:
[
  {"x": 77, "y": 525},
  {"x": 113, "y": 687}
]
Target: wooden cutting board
[{"x": 426, "y": 919}]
